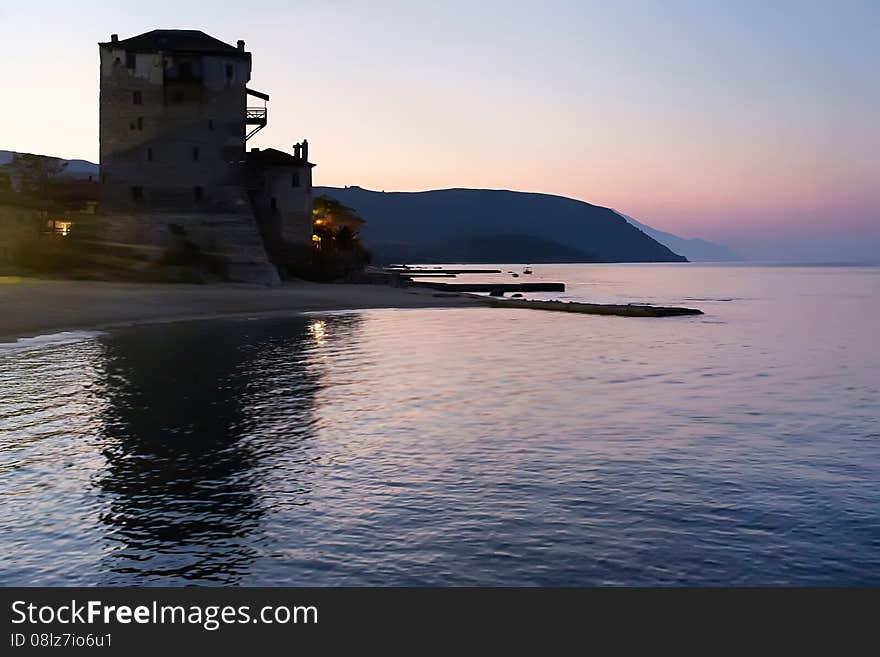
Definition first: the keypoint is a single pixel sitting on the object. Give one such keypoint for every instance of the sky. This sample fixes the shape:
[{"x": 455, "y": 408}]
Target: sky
[{"x": 753, "y": 124}]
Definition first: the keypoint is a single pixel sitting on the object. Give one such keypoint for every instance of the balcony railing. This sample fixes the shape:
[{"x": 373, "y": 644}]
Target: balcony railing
[{"x": 256, "y": 115}]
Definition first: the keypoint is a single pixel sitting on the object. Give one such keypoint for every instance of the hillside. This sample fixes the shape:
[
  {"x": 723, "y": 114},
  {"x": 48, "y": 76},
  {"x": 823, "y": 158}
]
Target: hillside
[
  {"x": 477, "y": 225},
  {"x": 74, "y": 169},
  {"x": 695, "y": 250}
]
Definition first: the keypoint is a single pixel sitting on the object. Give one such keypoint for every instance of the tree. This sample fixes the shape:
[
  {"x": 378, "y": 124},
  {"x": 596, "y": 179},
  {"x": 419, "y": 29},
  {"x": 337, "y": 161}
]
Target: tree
[
  {"x": 330, "y": 212},
  {"x": 32, "y": 174},
  {"x": 345, "y": 238}
]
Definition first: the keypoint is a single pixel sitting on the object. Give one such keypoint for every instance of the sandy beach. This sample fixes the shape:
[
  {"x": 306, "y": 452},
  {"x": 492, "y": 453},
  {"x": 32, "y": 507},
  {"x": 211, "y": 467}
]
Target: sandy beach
[{"x": 30, "y": 306}]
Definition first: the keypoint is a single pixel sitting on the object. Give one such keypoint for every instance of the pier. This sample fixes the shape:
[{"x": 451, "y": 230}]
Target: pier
[
  {"x": 403, "y": 277},
  {"x": 438, "y": 270},
  {"x": 491, "y": 287},
  {"x": 621, "y": 310}
]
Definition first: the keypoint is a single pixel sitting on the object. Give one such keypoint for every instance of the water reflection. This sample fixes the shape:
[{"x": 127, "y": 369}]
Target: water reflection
[
  {"x": 318, "y": 329},
  {"x": 460, "y": 446},
  {"x": 195, "y": 415}
]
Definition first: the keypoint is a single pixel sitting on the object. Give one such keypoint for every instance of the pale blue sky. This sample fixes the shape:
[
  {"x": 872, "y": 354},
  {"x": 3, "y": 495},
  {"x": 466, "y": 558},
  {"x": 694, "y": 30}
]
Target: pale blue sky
[{"x": 751, "y": 123}]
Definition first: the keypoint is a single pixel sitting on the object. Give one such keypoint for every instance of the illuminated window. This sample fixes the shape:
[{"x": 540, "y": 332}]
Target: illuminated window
[{"x": 62, "y": 227}]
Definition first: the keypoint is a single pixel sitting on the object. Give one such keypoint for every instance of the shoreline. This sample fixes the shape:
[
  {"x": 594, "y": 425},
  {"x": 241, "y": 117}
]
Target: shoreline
[{"x": 31, "y": 307}]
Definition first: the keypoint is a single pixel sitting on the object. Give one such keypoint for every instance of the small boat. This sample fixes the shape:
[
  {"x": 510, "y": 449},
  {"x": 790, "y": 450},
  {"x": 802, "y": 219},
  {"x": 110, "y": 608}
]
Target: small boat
[
  {"x": 527, "y": 271},
  {"x": 515, "y": 275}
]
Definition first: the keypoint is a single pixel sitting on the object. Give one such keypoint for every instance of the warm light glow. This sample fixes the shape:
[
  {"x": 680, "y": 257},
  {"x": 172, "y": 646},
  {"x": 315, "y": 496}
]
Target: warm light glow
[{"x": 60, "y": 227}]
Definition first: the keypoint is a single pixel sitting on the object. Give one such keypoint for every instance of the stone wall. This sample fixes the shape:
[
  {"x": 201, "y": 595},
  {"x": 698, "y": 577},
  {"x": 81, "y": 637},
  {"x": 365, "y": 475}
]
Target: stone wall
[
  {"x": 228, "y": 243},
  {"x": 283, "y": 204},
  {"x": 175, "y": 135},
  {"x": 172, "y": 134}
]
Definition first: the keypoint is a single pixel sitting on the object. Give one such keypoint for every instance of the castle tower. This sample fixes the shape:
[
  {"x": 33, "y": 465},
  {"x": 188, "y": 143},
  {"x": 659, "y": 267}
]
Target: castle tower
[{"x": 174, "y": 119}]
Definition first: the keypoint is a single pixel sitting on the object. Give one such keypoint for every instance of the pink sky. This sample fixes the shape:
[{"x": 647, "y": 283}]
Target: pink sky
[{"x": 738, "y": 122}]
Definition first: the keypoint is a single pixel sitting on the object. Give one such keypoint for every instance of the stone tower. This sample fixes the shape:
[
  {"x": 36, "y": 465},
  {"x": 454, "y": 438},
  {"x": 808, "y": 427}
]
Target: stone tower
[
  {"x": 174, "y": 119},
  {"x": 280, "y": 188}
]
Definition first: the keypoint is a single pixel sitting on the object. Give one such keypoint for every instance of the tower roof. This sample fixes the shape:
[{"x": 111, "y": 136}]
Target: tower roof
[
  {"x": 271, "y": 157},
  {"x": 194, "y": 41}
]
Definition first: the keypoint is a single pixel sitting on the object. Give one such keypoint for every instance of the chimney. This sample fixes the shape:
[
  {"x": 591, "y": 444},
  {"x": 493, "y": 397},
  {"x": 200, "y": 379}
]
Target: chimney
[
  {"x": 114, "y": 38},
  {"x": 305, "y": 150},
  {"x": 240, "y": 44}
]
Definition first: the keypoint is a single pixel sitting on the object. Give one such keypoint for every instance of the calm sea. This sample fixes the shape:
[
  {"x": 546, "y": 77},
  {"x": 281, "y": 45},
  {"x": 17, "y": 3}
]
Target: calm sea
[{"x": 461, "y": 446}]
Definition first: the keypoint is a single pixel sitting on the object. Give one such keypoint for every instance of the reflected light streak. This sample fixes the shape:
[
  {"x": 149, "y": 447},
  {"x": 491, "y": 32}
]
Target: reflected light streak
[{"x": 318, "y": 331}]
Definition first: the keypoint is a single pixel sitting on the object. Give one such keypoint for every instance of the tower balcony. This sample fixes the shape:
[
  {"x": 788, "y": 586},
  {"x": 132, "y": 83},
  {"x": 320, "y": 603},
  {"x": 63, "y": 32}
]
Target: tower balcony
[{"x": 256, "y": 116}]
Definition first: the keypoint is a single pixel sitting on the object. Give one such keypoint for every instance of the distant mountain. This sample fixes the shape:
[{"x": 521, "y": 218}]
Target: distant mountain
[
  {"x": 695, "y": 250},
  {"x": 74, "y": 169},
  {"x": 482, "y": 225}
]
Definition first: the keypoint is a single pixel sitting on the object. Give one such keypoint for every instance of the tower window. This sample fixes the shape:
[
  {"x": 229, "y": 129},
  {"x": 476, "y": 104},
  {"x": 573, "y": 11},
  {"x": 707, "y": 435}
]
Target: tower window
[
  {"x": 198, "y": 193},
  {"x": 137, "y": 98},
  {"x": 273, "y": 204},
  {"x": 295, "y": 182},
  {"x": 140, "y": 123},
  {"x": 137, "y": 193},
  {"x": 130, "y": 60},
  {"x": 210, "y": 124},
  {"x": 149, "y": 154},
  {"x": 195, "y": 153},
  {"x": 229, "y": 71}
]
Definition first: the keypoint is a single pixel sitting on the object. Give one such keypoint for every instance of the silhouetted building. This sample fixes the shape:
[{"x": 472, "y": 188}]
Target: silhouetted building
[
  {"x": 280, "y": 186},
  {"x": 174, "y": 120}
]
